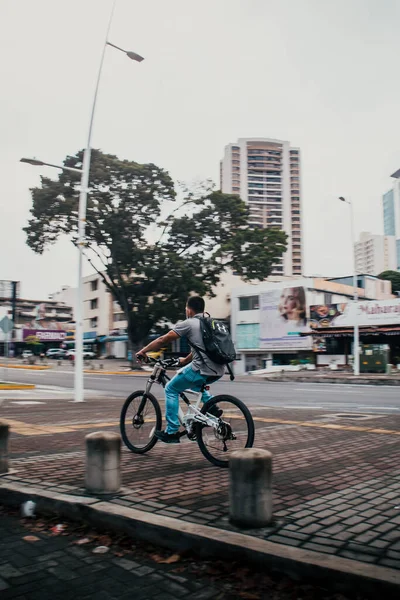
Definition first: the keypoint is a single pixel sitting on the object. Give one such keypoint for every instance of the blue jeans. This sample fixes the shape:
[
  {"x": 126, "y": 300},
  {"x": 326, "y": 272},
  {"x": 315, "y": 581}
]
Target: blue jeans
[{"x": 185, "y": 379}]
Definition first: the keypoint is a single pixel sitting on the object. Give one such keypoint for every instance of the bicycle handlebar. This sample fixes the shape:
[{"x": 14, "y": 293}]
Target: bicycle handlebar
[{"x": 153, "y": 361}]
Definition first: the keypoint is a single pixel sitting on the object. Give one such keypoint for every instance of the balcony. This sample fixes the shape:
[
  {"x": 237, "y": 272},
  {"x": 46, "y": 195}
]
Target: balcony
[{"x": 264, "y": 167}]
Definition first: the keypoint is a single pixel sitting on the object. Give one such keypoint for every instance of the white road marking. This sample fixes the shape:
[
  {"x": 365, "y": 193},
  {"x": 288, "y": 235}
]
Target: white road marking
[
  {"x": 27, "y": 402},
  {"x": 316, "y": 391},
  {"x": 308, "y": 407},
  {"x": 379, "y": 407},
  {"x": 99, "y": 378}
]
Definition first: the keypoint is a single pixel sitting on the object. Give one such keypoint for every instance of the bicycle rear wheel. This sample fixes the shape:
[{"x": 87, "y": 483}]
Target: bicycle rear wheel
[
  {"x": 236, "y": 430},
  {"x": 140, "y": 417}
]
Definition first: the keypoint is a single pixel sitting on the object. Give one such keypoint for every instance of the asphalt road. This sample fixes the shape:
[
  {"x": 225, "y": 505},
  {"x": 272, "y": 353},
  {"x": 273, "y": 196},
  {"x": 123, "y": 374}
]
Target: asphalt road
[{"x": 354, "y": 398}]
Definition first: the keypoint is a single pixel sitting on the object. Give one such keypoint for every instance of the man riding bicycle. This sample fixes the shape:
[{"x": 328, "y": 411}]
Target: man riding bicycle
[{"x": 197, "y": 369}]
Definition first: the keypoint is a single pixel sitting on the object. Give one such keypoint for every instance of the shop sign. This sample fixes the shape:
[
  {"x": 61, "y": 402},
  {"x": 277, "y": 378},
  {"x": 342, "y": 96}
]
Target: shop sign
[
  {"x": 365, "y": 313},
  {"x": 45, "y": 335}
]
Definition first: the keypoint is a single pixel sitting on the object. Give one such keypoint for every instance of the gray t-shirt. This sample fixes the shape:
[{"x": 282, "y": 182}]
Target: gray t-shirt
[{"x": 191, "y": 329}]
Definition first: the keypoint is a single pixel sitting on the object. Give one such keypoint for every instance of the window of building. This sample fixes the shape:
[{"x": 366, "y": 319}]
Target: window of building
[
  {"x": 327, "y": 298},
  {"x": 249, "y": 303},
  {"x": 93, "y": 322},
  {"x": 94, "y": 303},
  {"x": 94, "y": 285},
  {"x": 119, "y": 317}
]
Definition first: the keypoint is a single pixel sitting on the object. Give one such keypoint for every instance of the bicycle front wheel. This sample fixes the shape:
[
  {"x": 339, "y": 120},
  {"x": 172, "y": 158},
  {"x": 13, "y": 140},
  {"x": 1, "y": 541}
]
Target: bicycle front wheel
[
  {"x": 140, "y": 417},
  {"x": 235, "y": 430}
]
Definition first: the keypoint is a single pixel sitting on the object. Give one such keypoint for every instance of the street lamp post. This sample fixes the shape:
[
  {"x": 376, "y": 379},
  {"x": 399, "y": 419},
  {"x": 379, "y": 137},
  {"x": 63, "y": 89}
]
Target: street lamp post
[
  {"x": 356, "y": 342},
  {"x": 79, "y": 382},
  {"x": 41, "y": 163}
]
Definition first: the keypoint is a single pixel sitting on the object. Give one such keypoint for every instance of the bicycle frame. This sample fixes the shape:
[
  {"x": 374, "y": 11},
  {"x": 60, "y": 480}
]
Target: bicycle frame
[{"x": 193, "y": 412}]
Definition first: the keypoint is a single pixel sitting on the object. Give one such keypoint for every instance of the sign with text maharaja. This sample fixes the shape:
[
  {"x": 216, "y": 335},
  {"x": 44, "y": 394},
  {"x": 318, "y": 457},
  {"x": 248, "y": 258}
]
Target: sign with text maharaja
[{"x": 380, "y": 312}]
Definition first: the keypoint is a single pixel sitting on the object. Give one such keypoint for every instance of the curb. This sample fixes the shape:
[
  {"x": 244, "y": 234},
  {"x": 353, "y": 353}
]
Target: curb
[
  {"x": 356, "y": 381},
  {"x": 342, "y": 574},
  {"x": 17, "y": 386},
  {"x": 136, "y": 373},
  {"x": 27, "y": 367}
]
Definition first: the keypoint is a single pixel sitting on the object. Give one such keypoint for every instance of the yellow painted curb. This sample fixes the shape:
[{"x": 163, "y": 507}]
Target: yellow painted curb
[
  {"x": 31, "y": 367},
  {"x": 10, "y": 386},
  {"x": 145, "y": 373},
  {"x": 31, "y": 429}
]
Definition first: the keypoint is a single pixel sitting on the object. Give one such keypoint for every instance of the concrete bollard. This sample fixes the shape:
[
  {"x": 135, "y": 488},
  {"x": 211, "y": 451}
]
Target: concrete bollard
[
  {"x": 103, "y": 462},
  {"x": 250, "y": 487},
  {"x": 4, "y": 431},
  {"x": 101, "y": 366}
]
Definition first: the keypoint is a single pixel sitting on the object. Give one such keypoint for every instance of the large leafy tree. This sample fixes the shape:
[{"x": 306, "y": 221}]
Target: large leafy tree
[
  {"x": 149, "y": 260},
  {"x": 394, "y": 277}
]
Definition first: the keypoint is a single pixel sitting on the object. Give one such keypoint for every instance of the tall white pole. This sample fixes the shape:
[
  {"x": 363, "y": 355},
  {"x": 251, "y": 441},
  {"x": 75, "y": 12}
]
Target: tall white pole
[
  {"x": 79, "y": 382},
  {"x": 356, "y": 342}
]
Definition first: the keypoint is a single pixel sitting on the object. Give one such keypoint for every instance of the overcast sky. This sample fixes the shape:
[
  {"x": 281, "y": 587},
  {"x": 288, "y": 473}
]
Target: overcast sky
[{"x": 323, "y": 75}]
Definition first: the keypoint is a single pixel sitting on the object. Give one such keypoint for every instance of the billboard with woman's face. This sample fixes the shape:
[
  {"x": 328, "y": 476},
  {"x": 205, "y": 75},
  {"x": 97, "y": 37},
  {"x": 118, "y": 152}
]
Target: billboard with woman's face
[{"x": 283, "y": 317}]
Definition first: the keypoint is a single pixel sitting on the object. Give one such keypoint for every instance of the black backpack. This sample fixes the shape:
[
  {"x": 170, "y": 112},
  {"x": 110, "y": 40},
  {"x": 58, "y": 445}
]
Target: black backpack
[{"x": 217, "y": 341}]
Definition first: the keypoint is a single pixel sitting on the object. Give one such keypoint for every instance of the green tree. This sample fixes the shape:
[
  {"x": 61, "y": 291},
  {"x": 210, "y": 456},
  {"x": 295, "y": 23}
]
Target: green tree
[
  {"x": 150, "y": 262},
  {"x": 34, "y": 344},
  {"x": 394, "y": 277}
]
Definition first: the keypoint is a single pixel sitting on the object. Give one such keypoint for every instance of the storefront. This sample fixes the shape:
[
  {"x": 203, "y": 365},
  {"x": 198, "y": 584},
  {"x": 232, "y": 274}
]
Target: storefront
[
  {"x": 115, "y": 345},
  {"x": 288, "y": 325},
  {"x": 379, "y": 332}
]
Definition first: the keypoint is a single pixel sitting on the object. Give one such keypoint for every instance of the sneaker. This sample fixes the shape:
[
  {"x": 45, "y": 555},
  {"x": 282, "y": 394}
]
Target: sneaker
[
  {"x": 168, "y": 438},
  {"x": 215, "y": 411}
]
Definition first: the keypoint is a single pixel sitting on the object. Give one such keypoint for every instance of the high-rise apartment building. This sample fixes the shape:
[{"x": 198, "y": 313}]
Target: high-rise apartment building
[
  {"x": 391, "y": 214},
  {"x": 375, "y": 253},
  {"x": 266, "y": 174}
]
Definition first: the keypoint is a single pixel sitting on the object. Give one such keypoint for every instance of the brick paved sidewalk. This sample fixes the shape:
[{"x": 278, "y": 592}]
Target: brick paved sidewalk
[{"x": 336, "y": 479}]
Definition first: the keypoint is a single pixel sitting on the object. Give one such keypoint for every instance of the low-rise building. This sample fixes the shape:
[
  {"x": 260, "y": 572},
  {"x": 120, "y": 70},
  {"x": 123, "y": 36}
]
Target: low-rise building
[
  {"x": 46, "y": 321},
  {"x": 273, "y": 322}
]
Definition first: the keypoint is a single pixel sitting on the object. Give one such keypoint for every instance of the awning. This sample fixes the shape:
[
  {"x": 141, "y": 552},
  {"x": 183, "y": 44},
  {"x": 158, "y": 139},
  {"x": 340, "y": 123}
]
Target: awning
[
  {"x": 116, "y": 338},
  {"x": 102, "y": 338}
]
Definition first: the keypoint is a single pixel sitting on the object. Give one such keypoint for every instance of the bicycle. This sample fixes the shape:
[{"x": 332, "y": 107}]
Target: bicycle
[{"x": 210, "y": 426}]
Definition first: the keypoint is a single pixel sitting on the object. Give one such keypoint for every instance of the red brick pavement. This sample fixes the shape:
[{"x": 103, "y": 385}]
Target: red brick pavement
[{"x": 335, "y": 489}]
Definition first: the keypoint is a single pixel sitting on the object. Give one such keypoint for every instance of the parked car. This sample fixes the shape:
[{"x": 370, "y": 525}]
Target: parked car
[
  {"x": 56, "y": 353},
  {"x": 86, "y": 354},
  {"x": 27, "y": 354}
]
